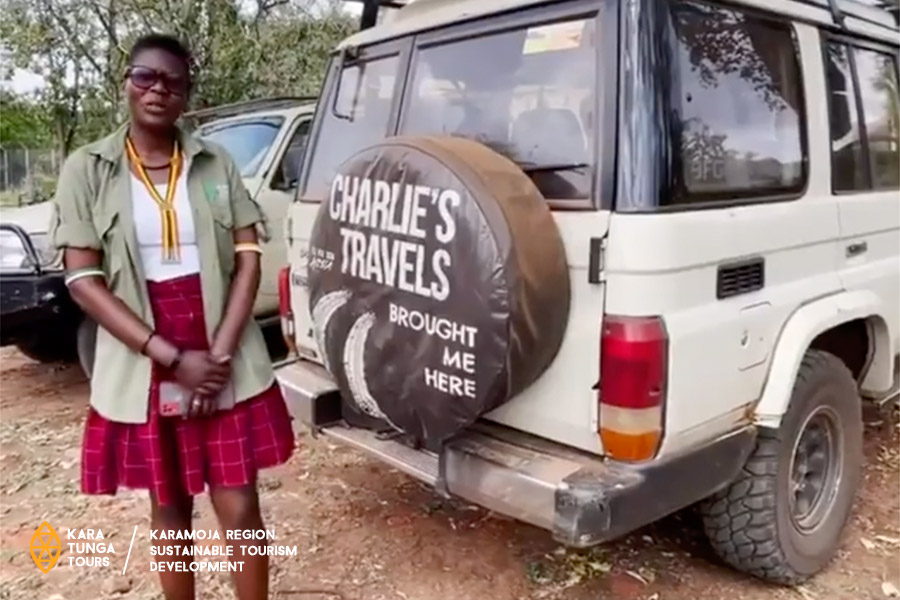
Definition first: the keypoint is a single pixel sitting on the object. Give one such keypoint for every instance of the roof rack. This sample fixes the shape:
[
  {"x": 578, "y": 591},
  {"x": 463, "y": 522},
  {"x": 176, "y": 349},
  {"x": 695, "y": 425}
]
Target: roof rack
[
  {"x": 369, "y": 16},
  {"x": 893, "y": 7},
  {"x": 883, "y": 13},
  {"x": 226, "y": 110},
  {"x": 837, "y": 14}
]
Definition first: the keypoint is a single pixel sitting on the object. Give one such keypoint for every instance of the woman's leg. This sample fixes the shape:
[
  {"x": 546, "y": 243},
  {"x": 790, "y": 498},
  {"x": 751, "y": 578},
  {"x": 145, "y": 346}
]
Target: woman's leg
[
  {"x": 174, "y": 517},
  {"x": 238, "y": 509}
]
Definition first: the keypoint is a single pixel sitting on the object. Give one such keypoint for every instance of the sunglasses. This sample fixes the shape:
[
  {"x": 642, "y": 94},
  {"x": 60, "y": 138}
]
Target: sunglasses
[{"x": 145, "y": 78}]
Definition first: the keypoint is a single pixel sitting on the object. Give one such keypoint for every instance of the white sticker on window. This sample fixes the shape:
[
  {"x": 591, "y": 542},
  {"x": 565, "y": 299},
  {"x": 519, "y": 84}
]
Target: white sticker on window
[{"x": 555, "y": 37}]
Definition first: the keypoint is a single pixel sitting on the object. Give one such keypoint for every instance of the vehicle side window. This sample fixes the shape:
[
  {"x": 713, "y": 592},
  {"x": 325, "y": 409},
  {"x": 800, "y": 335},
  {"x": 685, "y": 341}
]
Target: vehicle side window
[
  {"x": 877, "y": 74},
  {"x": 287, "y": 174},
  {"x": 864, "y": 118},
  {"x": 737, "y": 123},
  {"x": 849, "y": 170}
]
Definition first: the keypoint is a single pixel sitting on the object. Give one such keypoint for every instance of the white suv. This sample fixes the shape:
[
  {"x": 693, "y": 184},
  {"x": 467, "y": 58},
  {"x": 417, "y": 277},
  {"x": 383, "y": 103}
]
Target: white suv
[{"x": 588, "y": 262}]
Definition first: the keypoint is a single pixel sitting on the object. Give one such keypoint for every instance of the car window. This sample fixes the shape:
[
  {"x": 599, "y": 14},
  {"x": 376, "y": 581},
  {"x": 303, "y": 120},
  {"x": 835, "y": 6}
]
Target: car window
[
  {"x": 737, "y": 104},
  {"x": 247, "y": 142},
  {"x": 288, "y": 171},
  {"x": 865, "y": 136},
  {"x": 849, "y": 169},
  {"x": 532, "y": 101},
  {"x": 878, "y": 90},
  {"x": 359, "y": 117}
]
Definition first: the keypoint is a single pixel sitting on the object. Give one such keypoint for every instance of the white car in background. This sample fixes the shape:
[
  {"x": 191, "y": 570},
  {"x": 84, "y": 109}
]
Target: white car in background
[{"x": 36, "y": 312}]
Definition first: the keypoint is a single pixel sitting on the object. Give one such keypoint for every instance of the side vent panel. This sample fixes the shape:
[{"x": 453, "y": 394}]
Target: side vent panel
[{"x": 734, "y": 279}]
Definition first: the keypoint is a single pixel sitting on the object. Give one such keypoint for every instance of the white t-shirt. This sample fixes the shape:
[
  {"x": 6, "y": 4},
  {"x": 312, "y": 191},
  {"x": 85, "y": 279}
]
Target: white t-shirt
[{"x": 148, "y": 226}]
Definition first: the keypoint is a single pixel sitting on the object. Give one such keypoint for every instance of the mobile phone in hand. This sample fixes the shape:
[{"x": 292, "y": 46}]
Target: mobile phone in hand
[{"x": 174, "y": 399}]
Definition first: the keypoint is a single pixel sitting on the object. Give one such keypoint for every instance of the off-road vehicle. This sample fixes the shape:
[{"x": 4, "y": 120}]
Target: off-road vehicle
[{"x": 589, "y": 262}]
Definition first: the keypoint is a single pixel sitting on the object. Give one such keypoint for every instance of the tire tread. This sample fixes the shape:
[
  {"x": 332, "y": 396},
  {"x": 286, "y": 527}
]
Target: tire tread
[{"x": 740, "y": 521}]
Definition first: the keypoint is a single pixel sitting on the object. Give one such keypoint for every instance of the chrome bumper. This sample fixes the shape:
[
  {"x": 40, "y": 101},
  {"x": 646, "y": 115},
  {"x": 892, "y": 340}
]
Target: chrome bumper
[{"x": 582, "y": 499}]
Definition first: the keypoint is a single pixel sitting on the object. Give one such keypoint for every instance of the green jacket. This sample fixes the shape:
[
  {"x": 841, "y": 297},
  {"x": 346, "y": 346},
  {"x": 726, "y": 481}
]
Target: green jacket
[{"x": 93, "y": 210}]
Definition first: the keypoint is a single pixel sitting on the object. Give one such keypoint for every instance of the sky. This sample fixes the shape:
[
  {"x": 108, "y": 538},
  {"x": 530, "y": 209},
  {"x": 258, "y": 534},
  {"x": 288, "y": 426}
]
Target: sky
[{"x": 23, "y": 82}]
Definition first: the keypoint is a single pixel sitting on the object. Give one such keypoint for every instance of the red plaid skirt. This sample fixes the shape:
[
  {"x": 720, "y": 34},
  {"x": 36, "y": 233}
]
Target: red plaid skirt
[{"x": 171, "y": 456}]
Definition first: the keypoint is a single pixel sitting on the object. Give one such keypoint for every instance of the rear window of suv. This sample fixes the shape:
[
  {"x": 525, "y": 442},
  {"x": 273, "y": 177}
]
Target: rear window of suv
[
  {"x": 358, "y": 117},
  {"x": 737, "y": 126},
  {"x": 532, "y": 100}
]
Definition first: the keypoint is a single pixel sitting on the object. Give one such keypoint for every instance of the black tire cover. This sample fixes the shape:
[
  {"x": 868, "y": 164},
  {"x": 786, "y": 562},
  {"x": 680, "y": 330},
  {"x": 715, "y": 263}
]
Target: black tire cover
[{"x": 438, "y": 283}]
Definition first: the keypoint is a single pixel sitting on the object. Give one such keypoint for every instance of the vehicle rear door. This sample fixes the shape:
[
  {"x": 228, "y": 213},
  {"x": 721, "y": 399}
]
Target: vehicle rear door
[
  {"x": 357, "y": 109},
  {"x": 527, "y": 86}
]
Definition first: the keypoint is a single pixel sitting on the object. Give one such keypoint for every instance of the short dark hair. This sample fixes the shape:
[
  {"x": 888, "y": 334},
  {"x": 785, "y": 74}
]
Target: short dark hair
[{"x": 165, "y": 42}]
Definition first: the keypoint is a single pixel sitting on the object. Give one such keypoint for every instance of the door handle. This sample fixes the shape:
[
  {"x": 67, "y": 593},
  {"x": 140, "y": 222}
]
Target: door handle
[{"x": 857, "y": 249}]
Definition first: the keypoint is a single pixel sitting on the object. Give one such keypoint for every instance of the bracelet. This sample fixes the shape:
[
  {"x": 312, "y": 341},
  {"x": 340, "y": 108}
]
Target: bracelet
[{"x": 147, "y": 343}]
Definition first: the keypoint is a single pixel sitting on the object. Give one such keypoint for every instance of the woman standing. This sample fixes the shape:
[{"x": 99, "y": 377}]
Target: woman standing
[{"x": 160, "y": 249}]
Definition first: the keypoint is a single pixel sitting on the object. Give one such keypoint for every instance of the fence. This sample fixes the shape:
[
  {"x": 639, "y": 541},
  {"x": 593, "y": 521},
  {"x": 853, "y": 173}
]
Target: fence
[{"x": 27, "y": 175}]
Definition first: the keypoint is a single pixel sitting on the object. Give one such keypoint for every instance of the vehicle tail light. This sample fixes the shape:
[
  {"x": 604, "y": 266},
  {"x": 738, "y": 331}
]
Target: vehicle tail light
[
  {"x": 633, "y": 365},
  {"x": 284, "y": 309}
]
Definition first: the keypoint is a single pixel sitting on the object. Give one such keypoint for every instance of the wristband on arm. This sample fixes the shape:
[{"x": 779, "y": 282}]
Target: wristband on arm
[
  {"x": 75, "y": 275},
  {"x": 247, "y": 247}
]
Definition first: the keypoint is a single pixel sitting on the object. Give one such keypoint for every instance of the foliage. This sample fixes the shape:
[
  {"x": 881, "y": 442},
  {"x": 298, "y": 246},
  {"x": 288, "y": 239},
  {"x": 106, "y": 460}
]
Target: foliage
[
  {"x": 241, "y": 50},
  {"x": 23, "y": 122},
  {"x": 297, "y": 48}
]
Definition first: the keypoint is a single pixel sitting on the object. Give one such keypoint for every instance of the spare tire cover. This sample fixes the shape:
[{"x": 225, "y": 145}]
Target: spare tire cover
[{"x": 438, "y": 283}]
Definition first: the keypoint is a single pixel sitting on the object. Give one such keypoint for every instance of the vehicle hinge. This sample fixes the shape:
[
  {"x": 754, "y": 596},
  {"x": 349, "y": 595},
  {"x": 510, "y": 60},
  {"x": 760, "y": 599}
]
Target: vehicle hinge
[
  {"x": 596, "y": 260},
  {"x": 288, "y": 228}
]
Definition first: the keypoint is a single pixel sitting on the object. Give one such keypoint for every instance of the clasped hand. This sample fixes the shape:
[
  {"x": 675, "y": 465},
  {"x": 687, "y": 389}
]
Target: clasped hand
[{"x": 205, "y": 375}]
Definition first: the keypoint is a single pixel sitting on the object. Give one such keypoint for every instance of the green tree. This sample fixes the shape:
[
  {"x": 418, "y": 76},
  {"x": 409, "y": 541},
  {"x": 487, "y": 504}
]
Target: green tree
[
  {"x": 23, "y": 122},
  {"x": 296, "y": 46},
  {"x": 80, "y": 49},
  {"x": 36, "y": 42}
]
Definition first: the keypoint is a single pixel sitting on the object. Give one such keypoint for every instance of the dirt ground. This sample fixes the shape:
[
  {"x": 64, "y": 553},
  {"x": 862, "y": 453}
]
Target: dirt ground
[{"x": 365, "y": 532}]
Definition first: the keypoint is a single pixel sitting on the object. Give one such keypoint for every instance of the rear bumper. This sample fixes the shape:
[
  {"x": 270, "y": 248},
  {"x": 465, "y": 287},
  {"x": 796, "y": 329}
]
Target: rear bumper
[{"x": 582, "y": 499}]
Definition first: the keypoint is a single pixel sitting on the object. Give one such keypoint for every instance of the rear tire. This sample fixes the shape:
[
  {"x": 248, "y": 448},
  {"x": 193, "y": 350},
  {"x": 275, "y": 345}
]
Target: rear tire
[
  {"x": 781, "y": 520},
  {"x": 54, "y": 344}
]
